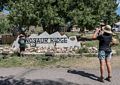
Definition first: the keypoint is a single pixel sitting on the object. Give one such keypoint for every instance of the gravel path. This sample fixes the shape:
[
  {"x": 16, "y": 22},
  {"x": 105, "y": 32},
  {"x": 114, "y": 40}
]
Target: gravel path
[{"x": 54, "y": 76}]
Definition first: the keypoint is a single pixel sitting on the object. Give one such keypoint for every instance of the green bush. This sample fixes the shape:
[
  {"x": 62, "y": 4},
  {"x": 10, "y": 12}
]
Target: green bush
[
  {"x": 91, "y": 43},
  {"x": 83, "y": 50}
]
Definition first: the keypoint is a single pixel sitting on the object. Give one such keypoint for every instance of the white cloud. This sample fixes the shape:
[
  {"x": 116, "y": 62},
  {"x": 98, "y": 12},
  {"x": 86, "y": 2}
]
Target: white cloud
[
  {"x": 118, "y": 1},
  {"x": 119, "y": 5}
]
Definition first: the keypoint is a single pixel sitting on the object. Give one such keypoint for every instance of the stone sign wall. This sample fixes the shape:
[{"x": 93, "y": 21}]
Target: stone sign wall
[{"x": 49, "y": 40}]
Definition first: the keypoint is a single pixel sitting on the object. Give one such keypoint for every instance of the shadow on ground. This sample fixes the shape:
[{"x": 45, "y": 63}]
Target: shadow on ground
[
  {"x": 84, "y": 74},
  {"x": 12, "y": 81}
]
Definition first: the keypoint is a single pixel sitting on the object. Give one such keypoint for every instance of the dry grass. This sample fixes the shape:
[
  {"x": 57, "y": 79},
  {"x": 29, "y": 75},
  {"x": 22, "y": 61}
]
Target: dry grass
[
  {"x": 86, "y": 62},
  {"x": 116, "y": 61},
  {"x": 64, "y": 62}
]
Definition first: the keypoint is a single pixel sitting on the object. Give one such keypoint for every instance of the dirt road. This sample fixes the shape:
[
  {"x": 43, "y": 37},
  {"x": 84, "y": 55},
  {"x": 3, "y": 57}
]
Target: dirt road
[{"x": 54, "y": 76}]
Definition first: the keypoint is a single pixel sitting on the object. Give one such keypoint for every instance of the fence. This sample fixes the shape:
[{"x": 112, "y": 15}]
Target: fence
[{"x": 7, "y": 39}]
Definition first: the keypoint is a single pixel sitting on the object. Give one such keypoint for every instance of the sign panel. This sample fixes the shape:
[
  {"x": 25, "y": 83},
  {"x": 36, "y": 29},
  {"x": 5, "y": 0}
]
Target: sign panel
[{"x": 46, "y": 40}]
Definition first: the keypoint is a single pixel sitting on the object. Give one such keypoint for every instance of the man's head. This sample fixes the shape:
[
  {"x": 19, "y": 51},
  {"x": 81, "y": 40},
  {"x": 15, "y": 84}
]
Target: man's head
[
  {"x": 21, "y": 35},
  {"x": 107, "y": 29}
]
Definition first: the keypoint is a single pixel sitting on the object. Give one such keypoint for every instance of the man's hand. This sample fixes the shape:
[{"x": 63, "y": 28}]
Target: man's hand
[
  {"x": 97, "y": 30},
  {"x": 96, "y": 33}
]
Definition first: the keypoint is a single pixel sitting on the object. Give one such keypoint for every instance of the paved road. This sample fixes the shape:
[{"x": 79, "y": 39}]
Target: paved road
[{"x": 54, "y": 76}]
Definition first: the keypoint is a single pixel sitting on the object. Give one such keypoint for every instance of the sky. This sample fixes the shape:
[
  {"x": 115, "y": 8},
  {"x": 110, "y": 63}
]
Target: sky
[
  {"x": 118, "y": 10},
  {"x": 5, "y": 12}
]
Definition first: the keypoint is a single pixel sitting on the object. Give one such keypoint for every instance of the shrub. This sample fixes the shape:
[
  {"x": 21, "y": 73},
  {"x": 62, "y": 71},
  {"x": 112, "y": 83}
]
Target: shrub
[{"x": 83, "y": 50}]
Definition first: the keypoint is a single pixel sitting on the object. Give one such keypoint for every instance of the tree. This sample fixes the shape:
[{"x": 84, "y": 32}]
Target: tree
[
  {"x": 4, "y": 4},
  {"x": 4, "y": 25},
  {"x": 23, "y": 13},
  {"x": 89, "y": 12},
  {"x": 51, "y": 14}
]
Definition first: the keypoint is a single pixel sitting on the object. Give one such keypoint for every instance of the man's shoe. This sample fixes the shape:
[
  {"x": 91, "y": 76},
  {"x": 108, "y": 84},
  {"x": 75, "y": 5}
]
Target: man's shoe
[
  {"x": 101, "y": 79},
  {"x": 108, "y": 78}
]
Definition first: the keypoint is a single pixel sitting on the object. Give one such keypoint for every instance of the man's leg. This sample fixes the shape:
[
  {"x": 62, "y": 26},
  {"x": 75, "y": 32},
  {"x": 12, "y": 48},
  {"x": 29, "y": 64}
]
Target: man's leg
[
  {"x": 101, "y": 56},
  {"x": 109, "y": 69},
  {"x": 108, "y": 64},
  {"x": 102, "y": 64}
]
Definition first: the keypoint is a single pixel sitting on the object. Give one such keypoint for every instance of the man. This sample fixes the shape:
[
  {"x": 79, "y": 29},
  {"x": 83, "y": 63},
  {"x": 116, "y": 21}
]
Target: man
[
  {"x": 105, "y": 52},
  {"x": 22, "y": 43}
]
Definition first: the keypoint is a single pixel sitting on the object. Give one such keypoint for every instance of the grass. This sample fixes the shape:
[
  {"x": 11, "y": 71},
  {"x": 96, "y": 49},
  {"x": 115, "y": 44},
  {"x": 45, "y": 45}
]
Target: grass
[
  {"x": 28, "y": 61},
  {"x": 117, "y": 47},
  {"x": 56, "y": 61},
  {"x": 38, "y": 61},
  {"x": 16, "y": 61},
  {"x": 72, "y": 33},
  {"x": 93, "y": 43}
]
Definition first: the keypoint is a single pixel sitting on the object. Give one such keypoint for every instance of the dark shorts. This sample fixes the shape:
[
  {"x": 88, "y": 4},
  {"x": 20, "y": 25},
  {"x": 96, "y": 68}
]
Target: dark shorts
[
  {"x": 22, "y": 49},
  {"x": 104, "y": 54}
]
